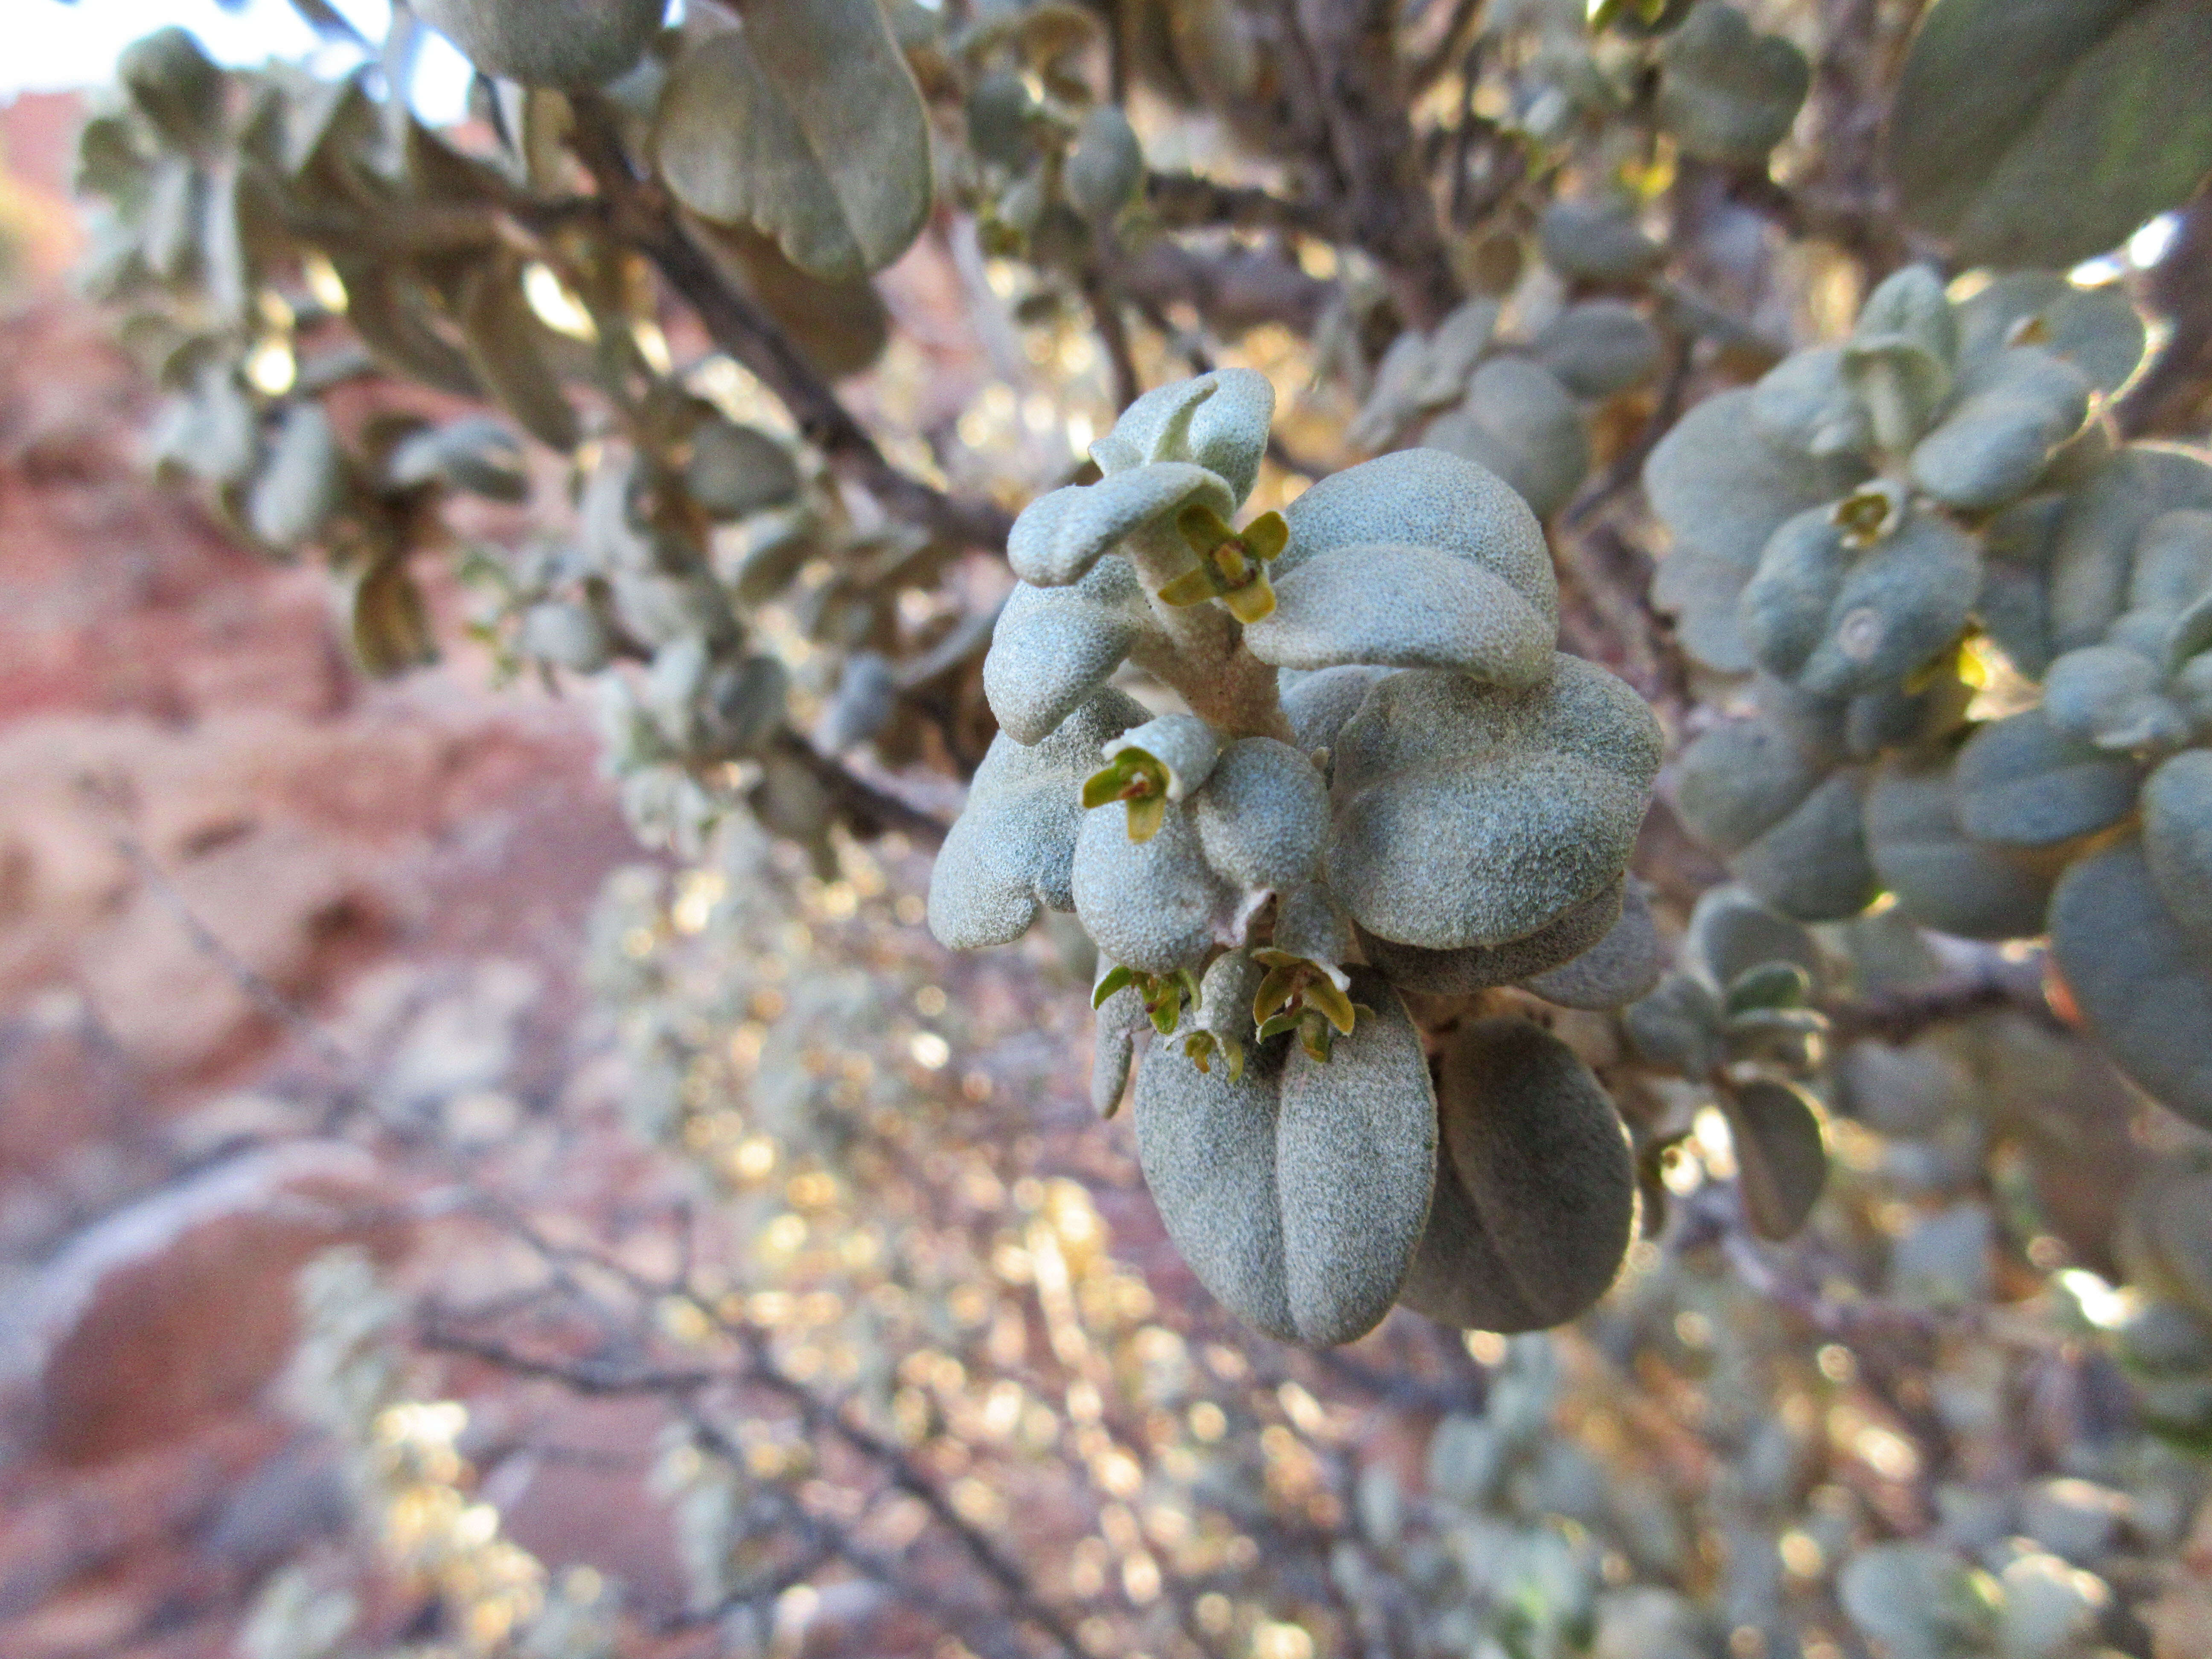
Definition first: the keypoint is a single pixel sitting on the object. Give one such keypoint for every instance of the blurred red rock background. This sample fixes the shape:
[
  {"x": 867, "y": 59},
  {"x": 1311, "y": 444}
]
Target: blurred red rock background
[{"x": 208, "y": 818}]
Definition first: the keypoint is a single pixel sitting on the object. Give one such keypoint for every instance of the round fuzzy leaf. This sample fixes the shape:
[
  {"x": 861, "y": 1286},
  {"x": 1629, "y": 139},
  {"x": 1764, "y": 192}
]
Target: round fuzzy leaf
[
  {"x": 1737, "y": 781},
  {"x": 567, "y": 636},
  {"x": 1478, "y": 967},
  {"x": 1600, "y": 348},
  {"x": 475, "y": 454},
  {"x": 1262, "y": 816},
  {"x": 2177, "y": 819},
  {"x": 1597, "y": 241},
  {"x": 1535, "y": 1193},
  {"x": 1805, "y": 404},
  {"x": 1105, "y": 171},
  {"x": 1298, "y": 1192},
  {"x": 2038, "y": 132},
  {"x": 1943, "y": 879},
  {"x": 1471, "y": 816},
  {"x": 1918, "y": 1600},
  {"x": 2097, "y": 329},
  {"x": 1404, "y": 607},
  {"x": 2108, "y": 695},
  {"x": 1060, "y": 535},
  {"x": 1424, "y": 498},
  {"x": 302, "y": 483},
  {"x": 1013, "y": 847},
  {"x": 806, "y": 124},
  {"x": 1619, "y": 969},
  {"x": 1120, "y": 1018},
  {"x": 2143, "y": 982},
  {"x": 1676, "y": 1028},
  {"x": 1726, "y": 91},
  {"x": 736, "y": 470},
  {"x": 1318, "y": 704},
  {"x": 1723, "y": 489},
  {"x": 572, "y": 44},
  {"x": 1217, "y": 420},
  {"x": 1781, "y": 1162},
  {"x": 506, "y": 346},
  {"x": 1153, "y": 905},
  {"x": 1732, "y": 931},
  {"x": 1518, "y": 421},
  {"x": 2022, "y": 783},
  {"x": 2092, "y": 557},
  {"x": 1902, "y": 604},
  {"x": 2011, "y": 414},
  {"x": 1053, "y": 648},
  {"x": 1813, "y": 865}
]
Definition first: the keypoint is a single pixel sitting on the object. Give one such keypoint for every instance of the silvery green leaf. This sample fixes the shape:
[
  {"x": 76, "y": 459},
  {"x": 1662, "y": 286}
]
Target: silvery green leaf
[
  {"x": 1423, "y": 498},
  {"x": 1184, "y": 744},
  {"x": 571, "y": 636},
  {"x": 1318, "y": 704},
  {"x": 1675, "y": 1027},
  {"x": 1804, "y": 403},
  {"x": 303, "y": 480},
  {"x": 1784, "y": 613},
  {"x": 1535, "y": 1193},
  {"x": 1618, "y": 969},
  {"x": 2073, "y": 1518},
  {"x": 806, "y": 124},
  {"x": 1154, "y": 905},
  {"x": 1393, "y": 399},
  {"x": 1902, "y": 355},
  {"x": 1518, "y": 421},
  {"x": 1943, "y": 879},
  {"x": 1298, "y": 1192},
  {"x": 2020, "y": 782},
  {"x": 2092, "y": 558},
  {"x": 1782, "y": 1161},
  {"x": 1262, "y": 816},
  {"x": 2097, "y": 329},
  {"x": 2049, "y": 1609},
  {"x": 1217, "y": 420},
  {"x": 1225, "y": 994},
  {"x": 1599, "y": 348},
  {"x": 1060, "y": 535},
  {"x": 866, "y": 696},
  {"x": 1900, "y": 604},
  {"x": 1399, "y": 606},
  {"x": 1723, "y": 489},
  {"x": 1311, "y": 923},
  {"x": 2040, "y": 133},
  {"x": 735, "y": 470},
  {"x": 2106, "y": 694},
  {"x": 1448, "y": 361},
  {"x": 573, "y": 44},
  {"x": 474, "y": 453},
  {"x": 1812, "y": 864},
  {"x": 1000, "y": 110},
  {"x": 1105, "y": 171},
  {"x": 1732, "y": 931},
  {"x": 1920, "y": 1601},
  {"x": 1737, "y": 781},
  {"x": 1943, "y": 1261},
  {"x": 659, "y": 608},
  {"x": 2013, "y": 411},
  {"x": 2143, "y": 981},
  {"x": 2173, "y": 563},
  {"x": 1013, "y": 848},
  {"x": 1469, "y": 815},
  {"x": 1115, "y": 1027},
  {"x": 1053, "y": 648},
  {"x": 1581, "y": 927},
  {"x": 176, "y": 85},
  {"x": 2177, "y": 830},
  {"x": 1727, "y": 91},
  {"x": 1598, "y": 240}
]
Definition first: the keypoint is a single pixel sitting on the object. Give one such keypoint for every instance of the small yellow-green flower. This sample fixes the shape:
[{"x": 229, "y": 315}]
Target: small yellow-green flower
[{"x": 1232, "y": 564}]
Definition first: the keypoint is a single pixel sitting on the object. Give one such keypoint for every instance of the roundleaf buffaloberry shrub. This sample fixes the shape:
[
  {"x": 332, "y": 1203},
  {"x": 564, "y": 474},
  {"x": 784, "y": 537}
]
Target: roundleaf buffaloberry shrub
[{"x": 1581, "y": 621}]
